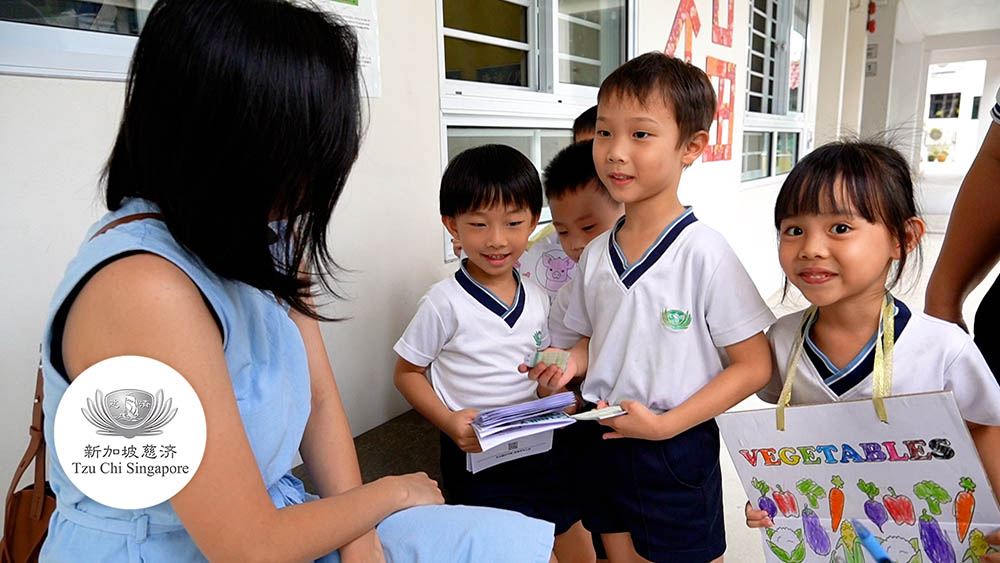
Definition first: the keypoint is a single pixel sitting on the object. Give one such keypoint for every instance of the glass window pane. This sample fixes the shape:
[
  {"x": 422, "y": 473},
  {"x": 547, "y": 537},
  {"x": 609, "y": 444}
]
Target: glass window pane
[
  {"x": 797, "y": 54},
  {"x": 122, "y": 17},
  {"x": 552, "y": 143},
  {"x": 479, "y": 62},
  {"x": 786, "y": 152},
  {"x": 489, "y": 17},
  {"x": 756, "y": 155},
  {"x": 590, "y": 40},
  {"x": 584, "y": 74}
]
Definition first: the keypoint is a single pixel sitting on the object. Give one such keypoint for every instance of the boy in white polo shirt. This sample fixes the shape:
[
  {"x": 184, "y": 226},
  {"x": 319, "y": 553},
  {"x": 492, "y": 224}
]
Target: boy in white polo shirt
[
  {"x": 657, "y": 295},
  {"x": 461, "y": 351}
]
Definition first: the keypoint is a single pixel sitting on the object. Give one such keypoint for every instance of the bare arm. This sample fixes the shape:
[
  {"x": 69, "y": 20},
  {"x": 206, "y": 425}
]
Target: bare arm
[
  {"x": 144, "y": 305},
  {"x": 749, "y": 371},
  {"x": 327, "y": 445},
  {"x": 987, "y": 440},
  {"x": 411, "y": 380},
  {"x": 972, "y": 243}
]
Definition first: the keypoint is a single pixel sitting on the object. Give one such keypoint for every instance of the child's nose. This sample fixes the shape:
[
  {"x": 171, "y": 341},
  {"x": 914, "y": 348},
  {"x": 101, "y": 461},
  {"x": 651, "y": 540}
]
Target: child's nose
[
  {"x": 813, "y": 246},
  {"x": 497, "y": 237}
]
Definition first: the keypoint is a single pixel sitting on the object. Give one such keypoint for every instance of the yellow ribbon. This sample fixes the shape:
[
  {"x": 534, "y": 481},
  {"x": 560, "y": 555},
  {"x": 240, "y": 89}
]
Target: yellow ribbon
[{"x": 881, "y": 372}]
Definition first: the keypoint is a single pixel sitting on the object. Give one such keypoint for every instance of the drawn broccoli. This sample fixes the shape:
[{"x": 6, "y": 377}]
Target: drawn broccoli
[{"x": 934, "y": 494}]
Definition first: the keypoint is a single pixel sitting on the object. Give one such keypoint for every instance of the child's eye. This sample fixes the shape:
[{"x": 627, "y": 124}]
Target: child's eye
[
  {"x": 603, "y": 133},
  {"x": 514, "y": 223},
  {"x": 562, "y": 233},
  {"x": 841, "y": 229},
  {"x": 793, "y": 231},
  {"x": 588, "y": 227},
  {"x": 640, "y": 134},
  {"x": 478, "y": 225}
]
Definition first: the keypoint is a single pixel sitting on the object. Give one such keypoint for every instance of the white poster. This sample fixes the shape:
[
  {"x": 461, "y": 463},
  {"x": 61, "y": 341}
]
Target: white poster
[
  {"x": 916, "y": 482},
  {"x": 362, "y": 17}
]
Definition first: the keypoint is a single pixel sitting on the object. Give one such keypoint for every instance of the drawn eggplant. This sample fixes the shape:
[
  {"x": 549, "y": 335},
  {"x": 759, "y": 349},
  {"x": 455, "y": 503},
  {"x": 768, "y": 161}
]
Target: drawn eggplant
[
  {"x": 873, "y": 508},
  {"x": 936, "y": 544},
  {"x": 816, "y": 536}
]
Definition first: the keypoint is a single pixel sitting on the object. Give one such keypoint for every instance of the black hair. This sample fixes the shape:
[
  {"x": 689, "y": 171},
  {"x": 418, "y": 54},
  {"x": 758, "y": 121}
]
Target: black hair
[
  {"x": 238, "y": 112},
  {"x": 570, "y": 170},
  {"x": 681, "y": 86},
  {"x": 482, "y": 177},
  {"x": 585, "y": 122},
  {"x": 874, "y": 181}
]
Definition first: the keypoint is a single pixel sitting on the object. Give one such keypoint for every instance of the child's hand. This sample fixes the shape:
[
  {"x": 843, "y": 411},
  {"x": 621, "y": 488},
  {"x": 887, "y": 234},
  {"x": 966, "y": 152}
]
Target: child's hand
[
  {"x": 550, "y": 377},
  {"x": 638, "y": 422},
  {"x": 994, "y": 540},
  {"x": 757, "y": 518},
  {"x": 459, "y": 428}
]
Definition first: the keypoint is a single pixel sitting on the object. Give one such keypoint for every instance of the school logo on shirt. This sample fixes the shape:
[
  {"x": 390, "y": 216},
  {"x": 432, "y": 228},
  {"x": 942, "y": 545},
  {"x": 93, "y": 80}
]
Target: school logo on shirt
[
  {"x": 538, "y": 339},
  {"x": 675, "y": 319}
]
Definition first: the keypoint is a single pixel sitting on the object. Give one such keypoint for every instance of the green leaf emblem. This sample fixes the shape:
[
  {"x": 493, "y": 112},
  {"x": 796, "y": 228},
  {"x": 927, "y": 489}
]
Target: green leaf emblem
[
  {"x": 675, "y": 319},
  {"x": 538, "y": 338}
]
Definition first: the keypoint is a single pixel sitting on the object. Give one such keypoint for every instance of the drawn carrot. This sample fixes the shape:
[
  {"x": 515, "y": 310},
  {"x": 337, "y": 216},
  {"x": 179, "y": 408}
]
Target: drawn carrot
[
  {"x": 836, "y": 501},
  {"x": 965, "y": 504}
]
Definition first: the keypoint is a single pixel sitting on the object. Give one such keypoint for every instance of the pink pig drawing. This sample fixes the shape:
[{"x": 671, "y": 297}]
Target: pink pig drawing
[{"x": 557, "y": 270}]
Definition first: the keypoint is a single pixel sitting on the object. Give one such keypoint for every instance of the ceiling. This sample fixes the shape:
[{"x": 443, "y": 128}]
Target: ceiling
[{"x": 938, "y": 17}]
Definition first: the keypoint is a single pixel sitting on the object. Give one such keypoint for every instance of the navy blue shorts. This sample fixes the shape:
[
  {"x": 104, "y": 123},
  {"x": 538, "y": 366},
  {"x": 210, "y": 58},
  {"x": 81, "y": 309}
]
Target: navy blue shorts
[
  {"x": 667, "y": 494},
  {"x": 539, "y": 485}
]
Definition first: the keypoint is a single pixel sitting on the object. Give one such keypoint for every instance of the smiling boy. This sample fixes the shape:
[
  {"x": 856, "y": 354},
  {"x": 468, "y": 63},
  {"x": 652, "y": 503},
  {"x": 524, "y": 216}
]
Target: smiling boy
[{"x": 657, "y": 295}]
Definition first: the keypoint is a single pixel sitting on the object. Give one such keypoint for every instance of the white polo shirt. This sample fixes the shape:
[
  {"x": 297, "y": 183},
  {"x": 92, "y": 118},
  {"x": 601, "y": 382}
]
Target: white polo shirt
[
  {"x": 929, "y": 355},
  {"x": 655, "y": 325},
  {"x": 473, "y": 342}
]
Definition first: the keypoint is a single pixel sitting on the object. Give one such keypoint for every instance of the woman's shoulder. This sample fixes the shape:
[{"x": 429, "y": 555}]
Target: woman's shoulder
[{"x": 140, "y": 304}]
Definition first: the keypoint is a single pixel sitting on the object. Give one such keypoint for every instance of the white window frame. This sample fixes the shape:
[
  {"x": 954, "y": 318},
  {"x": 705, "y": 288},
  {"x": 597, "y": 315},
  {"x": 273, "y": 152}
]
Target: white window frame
[
  {"x": 774, "y": 123},
  {"x": 41, "y": 50},
  {"x": 545, "y": 96}
]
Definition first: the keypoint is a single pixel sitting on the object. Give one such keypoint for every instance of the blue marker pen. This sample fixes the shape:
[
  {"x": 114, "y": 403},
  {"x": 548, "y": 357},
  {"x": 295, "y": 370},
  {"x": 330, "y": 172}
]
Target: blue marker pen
[{"x": 870, "y": 542}]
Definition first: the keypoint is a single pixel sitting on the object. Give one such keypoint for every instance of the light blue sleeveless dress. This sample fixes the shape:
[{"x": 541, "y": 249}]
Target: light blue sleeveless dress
[{"x": 267, "y": 363}]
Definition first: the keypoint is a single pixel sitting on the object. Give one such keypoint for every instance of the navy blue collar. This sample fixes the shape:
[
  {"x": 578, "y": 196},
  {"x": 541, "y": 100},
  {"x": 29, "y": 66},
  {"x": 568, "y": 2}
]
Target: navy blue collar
[
  {"x": 508, "y": 313},
  {"x": 843, "y": 380},
  {"x": 630, "y": 273}
]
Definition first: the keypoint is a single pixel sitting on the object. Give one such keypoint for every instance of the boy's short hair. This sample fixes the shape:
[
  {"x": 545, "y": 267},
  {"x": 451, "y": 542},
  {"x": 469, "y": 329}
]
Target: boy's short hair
[
  {"x": 586, "y": 121},
  {"x": 572, "y": 169},
  {"x": 482, "y": 177},
  {"x": 683, "y": 87}
]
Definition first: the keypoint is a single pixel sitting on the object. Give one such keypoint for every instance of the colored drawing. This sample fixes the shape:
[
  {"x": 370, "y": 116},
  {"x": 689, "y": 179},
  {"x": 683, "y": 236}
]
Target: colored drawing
[
  {"x": 900, "y": 508},
  {"x": 786, "y": 544},
  {"x": 873, "y": 508},
  {"x": 919, "y": 480},
  {"x": 836, "y": 502},
  {"x": 848, "y": 548},
  {"x": 723, "y": 77},
  {"x": 965, "y": 505},
  {"x": 686, "y": 20},
  {"x": 936, "y": 544},
  {"x": 934, "y": 494},
  {"x": 722, "y": 35},
  {"x": 764, "y": 503},
  {"x": 978, "y": 547},
  {"x": 902, "y": 550},
  {"x": 816, "y": 536},
  {"x": 786, "y": 502},
  {"x": 811, "y": 490}
]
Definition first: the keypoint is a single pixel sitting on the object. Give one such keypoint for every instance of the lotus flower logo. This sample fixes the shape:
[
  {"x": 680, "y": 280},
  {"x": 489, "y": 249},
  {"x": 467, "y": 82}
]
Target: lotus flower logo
[{"x": 129, "y": 413}]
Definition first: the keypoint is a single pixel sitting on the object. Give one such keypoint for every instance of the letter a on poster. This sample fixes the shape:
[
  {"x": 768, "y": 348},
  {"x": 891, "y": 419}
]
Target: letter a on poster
[{"x": 916, "y": 482}]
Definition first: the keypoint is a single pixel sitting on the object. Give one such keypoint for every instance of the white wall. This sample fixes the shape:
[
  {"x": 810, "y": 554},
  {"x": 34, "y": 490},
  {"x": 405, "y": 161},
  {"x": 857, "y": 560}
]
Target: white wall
[{"x": 874, "y": 109}]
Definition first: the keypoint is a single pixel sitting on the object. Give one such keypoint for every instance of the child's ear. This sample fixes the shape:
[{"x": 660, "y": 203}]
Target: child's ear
[
  {"x": 534, "y": 221},
  {"x": 452, "y": 225},
  {"x": 694, "y": 147},
  {"x": 915, "y": 229}
]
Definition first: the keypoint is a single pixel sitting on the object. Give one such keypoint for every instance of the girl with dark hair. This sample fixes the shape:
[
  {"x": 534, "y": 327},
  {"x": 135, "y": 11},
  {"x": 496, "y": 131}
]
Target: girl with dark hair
[
  {"x": 241, "y": 123},
  {"x": 846, "y": 219}
]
